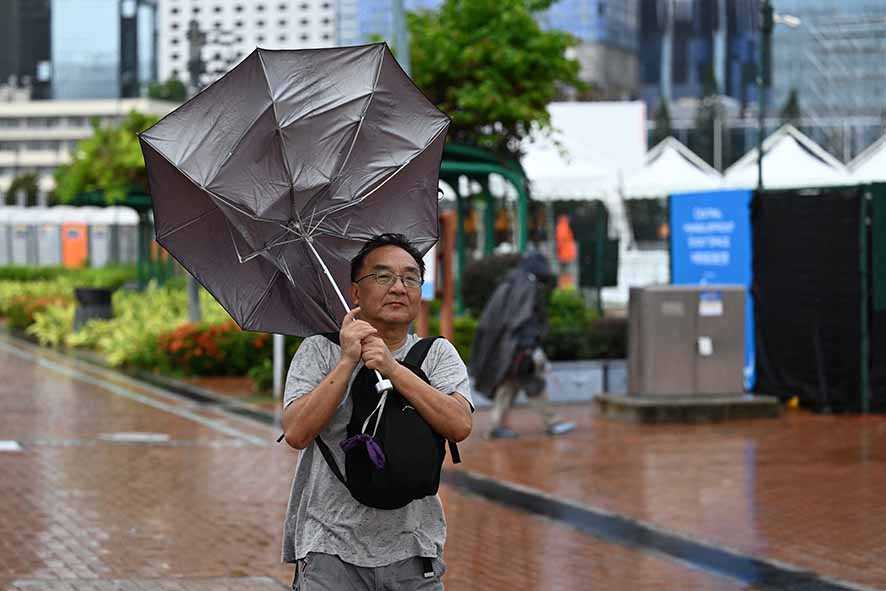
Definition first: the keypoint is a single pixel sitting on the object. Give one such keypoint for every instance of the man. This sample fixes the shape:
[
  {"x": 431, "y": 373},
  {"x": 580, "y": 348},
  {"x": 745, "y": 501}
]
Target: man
[
  {"x": 336, "y": 542},
  {"x": 507, "y": 356}
]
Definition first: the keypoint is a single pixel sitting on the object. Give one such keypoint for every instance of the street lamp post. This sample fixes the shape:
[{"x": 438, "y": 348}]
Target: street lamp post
[{"x": 764, "y": 81}]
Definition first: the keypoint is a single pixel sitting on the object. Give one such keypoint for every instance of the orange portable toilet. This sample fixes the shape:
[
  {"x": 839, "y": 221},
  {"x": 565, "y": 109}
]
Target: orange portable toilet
[{"x": 75, "y": 239}]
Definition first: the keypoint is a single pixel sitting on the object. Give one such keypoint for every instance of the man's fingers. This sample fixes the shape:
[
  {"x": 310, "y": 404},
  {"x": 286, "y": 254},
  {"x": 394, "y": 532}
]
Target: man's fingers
[{"x": 351, "y": 315}]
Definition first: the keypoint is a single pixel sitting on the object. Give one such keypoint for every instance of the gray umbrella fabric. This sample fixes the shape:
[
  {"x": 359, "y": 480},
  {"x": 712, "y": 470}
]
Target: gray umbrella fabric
[{"x": 286, "y": 165}]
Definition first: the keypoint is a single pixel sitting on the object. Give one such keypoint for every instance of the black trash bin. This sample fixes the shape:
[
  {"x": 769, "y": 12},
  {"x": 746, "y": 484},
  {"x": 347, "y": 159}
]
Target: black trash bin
[{"x": 92, "y": 302}]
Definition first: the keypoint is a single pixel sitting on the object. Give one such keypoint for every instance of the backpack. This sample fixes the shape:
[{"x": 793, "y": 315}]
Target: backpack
[{"x": 392, "y": 455}]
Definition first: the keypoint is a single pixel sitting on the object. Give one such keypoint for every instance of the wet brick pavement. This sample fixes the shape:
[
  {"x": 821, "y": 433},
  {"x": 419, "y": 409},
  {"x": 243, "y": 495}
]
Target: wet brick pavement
[{"x": 204, "y": 508}]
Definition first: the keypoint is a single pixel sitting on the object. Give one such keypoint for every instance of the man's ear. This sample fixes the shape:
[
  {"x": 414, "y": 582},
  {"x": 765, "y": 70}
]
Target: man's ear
[{"x": 354, "y": 294}]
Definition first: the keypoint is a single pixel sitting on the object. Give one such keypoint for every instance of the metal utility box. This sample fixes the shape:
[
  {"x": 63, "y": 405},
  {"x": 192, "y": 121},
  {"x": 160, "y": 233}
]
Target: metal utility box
[{"x": 686, "y": 340}]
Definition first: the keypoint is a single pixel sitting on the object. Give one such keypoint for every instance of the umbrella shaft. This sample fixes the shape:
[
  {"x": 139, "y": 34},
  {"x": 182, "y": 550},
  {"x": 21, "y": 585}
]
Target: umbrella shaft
[{"x": 341, "y": 298}]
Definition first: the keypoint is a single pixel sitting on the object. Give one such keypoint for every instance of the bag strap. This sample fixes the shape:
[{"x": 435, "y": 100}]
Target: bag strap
[
  {"x": 415, "y": 358},
  {"x": 330, "y": 460}
]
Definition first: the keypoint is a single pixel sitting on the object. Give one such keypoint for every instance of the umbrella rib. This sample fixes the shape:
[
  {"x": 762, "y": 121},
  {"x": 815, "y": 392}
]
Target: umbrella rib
[
  {"x": 347, "y": 159},
  {"x": 184, "y": 225},
  {"x": 233, "y": 149},
  {"x": 263, "y": 297},
  {"x": 335, "y": 209},
  {"x": 279, "y": 133}
]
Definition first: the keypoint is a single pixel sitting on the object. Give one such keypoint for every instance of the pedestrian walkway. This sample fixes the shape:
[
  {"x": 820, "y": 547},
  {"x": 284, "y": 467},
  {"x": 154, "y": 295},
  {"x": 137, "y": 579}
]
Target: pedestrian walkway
[{"x": 122, "y": 486}]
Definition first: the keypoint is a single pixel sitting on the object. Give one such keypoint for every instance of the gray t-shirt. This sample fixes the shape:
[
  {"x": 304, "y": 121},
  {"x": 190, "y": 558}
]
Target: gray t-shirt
[{"x": 322, "y": 515}]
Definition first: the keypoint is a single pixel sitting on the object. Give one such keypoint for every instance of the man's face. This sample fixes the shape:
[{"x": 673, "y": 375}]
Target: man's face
[{"x": 393, "y": 304}]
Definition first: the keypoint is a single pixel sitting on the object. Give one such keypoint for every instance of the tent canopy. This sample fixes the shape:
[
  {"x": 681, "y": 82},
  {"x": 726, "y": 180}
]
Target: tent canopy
[
  {"x": 590, "y": 146},
  {"x": 671, "y": 167},
  {"x": 791, "y": 161},
  {"x": 870, "y": 165}
]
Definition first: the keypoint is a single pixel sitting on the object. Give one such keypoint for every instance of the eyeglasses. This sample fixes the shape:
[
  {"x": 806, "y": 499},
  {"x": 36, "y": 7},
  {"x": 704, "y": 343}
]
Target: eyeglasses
[{"x": 387, "y": 279}]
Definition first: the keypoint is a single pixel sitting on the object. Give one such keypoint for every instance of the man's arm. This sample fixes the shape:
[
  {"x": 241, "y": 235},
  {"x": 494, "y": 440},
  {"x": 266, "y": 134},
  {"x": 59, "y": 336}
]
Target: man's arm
[
  {"x": 307, "y": 416},
  {"x": 448, "y": 413}
]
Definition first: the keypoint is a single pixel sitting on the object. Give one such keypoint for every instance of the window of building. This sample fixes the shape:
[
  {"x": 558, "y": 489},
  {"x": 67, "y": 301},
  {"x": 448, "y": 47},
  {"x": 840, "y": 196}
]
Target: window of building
[
  {"x": 77, "y": 121},
  {"x": 238, "y": 24},
  {"x": 304, "y": 7},
  {"x": 175, "y": 73},
  {"x": 304, "y": 37},
  {"x": 174, "y": 26},
  {"x": 326, "y": 21},
  {"x": 174, "y": 41},
  {"x": 282, "y": 7},
  {"x": 259, "y": 23},
  {"x": 326, "y": 6},
  {"x": 217, "y": 56},
  {"x": 175, "y": 10},
  {"x": 217, "y": 24},
  {"x": 282, "y": 38},
  {"x": 260, "y": 8},
  {"x": 326, "y": 36},
  {"x": 601, "y": 8},
  {"x": 282, "y": 22},
  {"x": 195, "y": 10},
  {"x": 238, "y": 8},
  {"x": 217, "y": 9},
  {"x": 304, "y": 22},
  {"x": 174, "y": 57}
]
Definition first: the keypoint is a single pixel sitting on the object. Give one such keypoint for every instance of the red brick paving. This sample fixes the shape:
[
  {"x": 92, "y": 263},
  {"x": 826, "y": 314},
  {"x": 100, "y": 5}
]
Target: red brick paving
[
  {"x": 206, "y": 507},
  {"x": 808, "y": 490}
]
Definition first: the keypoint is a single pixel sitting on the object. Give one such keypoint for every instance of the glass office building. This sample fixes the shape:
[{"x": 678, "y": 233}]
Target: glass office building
[
  {"x": 102, "y": 48},
  {"x": 683, "y": 42}
]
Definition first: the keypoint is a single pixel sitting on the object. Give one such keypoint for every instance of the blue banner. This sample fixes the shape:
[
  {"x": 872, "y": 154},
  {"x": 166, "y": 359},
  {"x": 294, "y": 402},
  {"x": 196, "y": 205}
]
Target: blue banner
[{"x": 711, "y": 244}]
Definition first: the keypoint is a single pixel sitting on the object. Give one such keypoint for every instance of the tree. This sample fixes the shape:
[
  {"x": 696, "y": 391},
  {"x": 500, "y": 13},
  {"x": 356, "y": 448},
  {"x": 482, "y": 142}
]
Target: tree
[
  {"x": 26, "y": 183},
  {"x": 172, "y": 90},
  {"x": 791, "y": 112},
  {"x": 110, "y": 161},
  {"x": 489, "y": 66},
  {"x": 663, "y": 128}
]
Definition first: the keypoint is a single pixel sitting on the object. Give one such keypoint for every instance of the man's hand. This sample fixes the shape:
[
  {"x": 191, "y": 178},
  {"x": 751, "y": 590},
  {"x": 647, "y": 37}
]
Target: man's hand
[
  {"x": 351, "y": 336},
  {"x": 376, "y": 355}
]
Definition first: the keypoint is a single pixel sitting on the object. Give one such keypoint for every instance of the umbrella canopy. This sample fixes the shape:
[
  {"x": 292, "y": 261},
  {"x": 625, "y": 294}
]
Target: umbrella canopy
[{"x": 283, "y": 168}]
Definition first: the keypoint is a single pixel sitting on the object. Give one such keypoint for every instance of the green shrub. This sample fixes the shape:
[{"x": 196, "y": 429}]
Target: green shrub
[
  {"x": 262, "y": 376},
  {"x": 20, "y": 310},
  {"x": 110, "y": 277},
  {"x": 52, "y": 324},
  {"x": 214, "y": 349}
]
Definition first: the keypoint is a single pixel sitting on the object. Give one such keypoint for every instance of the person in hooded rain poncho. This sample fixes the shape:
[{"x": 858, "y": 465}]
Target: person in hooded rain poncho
[{"x": 507, "y": 356}]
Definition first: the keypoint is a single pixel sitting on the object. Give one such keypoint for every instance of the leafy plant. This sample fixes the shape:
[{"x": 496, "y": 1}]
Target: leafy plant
[
  {"x": 109, "y": 162},
  {"x": 52, "y": 324},
  {"x": 491, "y": 67}
]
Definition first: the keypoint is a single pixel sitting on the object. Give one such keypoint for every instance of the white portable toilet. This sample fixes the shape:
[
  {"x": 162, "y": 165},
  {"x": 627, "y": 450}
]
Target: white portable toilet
[
  {"x": 6, "y": 234},
  {"x": 23, "y": 248},
  {"x": 126, "y": 235},
  {"x": 49, "y": 237},
  {"x": 99, "y": 221}
]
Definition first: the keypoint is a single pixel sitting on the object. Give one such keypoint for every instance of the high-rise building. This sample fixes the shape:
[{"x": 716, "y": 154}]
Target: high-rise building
[
  {"x": 833, "y": 58},
  {"x": 692, "y": 47},
  {"x": 362, "y": 21},
  {"x": 102, "y": 48},
  {"x": 608, "y": 48},
  {"x": 25, "y": 45},
  {"x": 223, "y": 32}
]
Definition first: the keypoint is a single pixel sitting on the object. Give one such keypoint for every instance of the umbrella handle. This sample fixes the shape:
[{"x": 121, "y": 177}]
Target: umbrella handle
[{"x": 383, "y": 385}]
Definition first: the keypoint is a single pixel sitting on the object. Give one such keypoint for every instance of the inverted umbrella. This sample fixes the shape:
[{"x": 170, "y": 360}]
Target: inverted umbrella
[{"x": 267, "y": 183}]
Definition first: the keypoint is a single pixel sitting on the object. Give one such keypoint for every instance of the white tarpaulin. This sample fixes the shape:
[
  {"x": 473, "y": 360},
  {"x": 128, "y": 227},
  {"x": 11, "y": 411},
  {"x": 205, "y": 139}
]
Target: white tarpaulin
[
  {"x": 671, "y": 168},
  {"x": 791, "y": 161},
  {"x": 870, "y": 165}
]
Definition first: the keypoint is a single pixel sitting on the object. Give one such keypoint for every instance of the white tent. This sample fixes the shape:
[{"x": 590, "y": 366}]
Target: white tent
[
  {"x": 591, "y": 146},
  {"x": 791, "y": 161},
  {"x": 670, "y": 168},
  {"x": 870, "y": 165}
]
